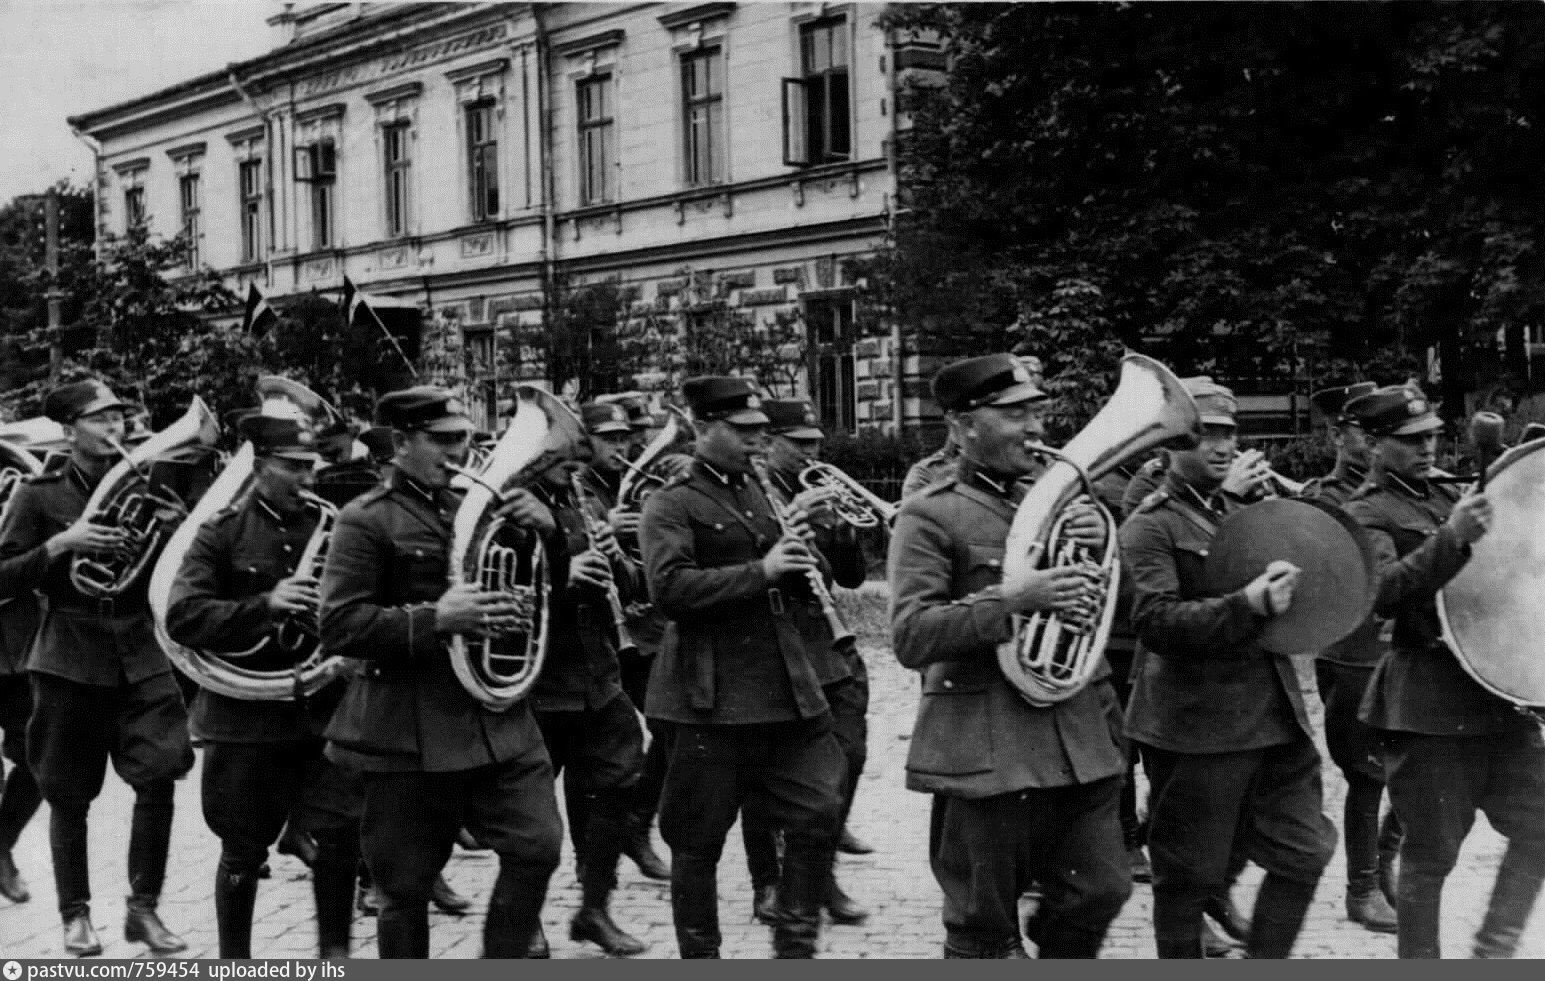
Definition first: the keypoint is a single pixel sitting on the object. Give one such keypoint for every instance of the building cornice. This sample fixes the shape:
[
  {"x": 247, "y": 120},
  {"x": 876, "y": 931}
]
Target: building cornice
[
  {"x": 697, "y": 13},
  {"x": 592, "y": 42}
]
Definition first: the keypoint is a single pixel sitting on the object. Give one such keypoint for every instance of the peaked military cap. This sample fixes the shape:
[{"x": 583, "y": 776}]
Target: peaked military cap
[
  {"x": 992, "y": 379},
  {"x": 604, "y": 417},
  {"x": 424, "y": 408},
  {"x": 272, "y": 436},
  {"x": 378, "y": 442},
  {"x": 1395, "y": 410},
  {"x": 1215, "y": 402},
  {"x": 1331, "y": 401},
  {"x": 794, "y": 418},
  {"x": 68, "y": 403},
  {"x": 714, "y": 397}
]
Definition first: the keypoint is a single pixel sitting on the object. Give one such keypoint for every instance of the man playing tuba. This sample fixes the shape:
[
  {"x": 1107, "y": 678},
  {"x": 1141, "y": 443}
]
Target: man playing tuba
[
  {"x": 102, "y": 687},
  {"x": 1020, "y": 794}
]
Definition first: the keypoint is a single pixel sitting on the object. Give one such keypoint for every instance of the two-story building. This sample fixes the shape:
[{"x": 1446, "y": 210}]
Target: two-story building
[{"x": 461, "y": 158}]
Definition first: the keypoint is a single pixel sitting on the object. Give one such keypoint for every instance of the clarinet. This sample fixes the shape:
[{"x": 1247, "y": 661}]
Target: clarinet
[
  {"x": 625, "y": 644},
  {"x": 841, "y": 635}
]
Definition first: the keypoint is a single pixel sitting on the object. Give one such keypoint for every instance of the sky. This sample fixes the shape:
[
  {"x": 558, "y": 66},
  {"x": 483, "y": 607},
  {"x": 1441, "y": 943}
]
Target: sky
[{"x": 63, "y": 57}]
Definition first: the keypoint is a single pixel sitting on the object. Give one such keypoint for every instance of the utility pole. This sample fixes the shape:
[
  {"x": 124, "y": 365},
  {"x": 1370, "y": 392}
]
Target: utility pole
[{"x": 51, "y": 259}]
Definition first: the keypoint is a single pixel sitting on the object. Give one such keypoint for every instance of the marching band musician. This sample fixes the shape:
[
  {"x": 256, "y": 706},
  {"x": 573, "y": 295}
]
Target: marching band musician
[
  {"x": 1342, "y": 672},
  {"x": 1220, "y": 721},
  {"x": 614, "y": 433},
  {"x": 747, "y": 713},
  {"x": 102, "y": 687},
  {"x": 592, "y": 732},
  {"x": 263, "y": 761},
  {"x": 1021, "y": 794},
  {"x": 794, "y": 443},
  {"x": 434, "y": 760},
  {"x": 1449, "y": 747}
]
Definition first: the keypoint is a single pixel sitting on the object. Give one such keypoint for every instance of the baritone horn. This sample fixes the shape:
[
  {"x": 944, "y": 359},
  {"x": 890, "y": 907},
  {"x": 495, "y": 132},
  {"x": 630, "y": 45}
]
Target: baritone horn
[
  {"x": 1050, "y": 659},
  {"x": 850, "y": 501},
  {"x": 492, "y": 554}
]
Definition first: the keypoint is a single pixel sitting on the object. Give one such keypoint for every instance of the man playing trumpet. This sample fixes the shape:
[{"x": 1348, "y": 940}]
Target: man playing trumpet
[{"x": 1020, "y": 794}]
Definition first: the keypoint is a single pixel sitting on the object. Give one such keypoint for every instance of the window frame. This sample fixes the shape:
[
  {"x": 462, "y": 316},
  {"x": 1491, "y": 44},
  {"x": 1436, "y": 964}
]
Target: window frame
[
  {"x": 250, "y": 208},
  {"x": 714, "y": 103},
  {"x": 809, "y": 131},
  {"x": 482, "y": 159},
  {"x": 133, "y": 206},
  {"x": 191, "y": 215},
  {"x": 604, "y": 124},
  {"x": 398, "y": 208}
]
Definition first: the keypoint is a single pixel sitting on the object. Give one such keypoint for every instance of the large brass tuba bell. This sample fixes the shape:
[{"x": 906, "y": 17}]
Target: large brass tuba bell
[
  {"x": 486, "y": 551},
  {"x": 129, "y": 499},
  {"x": 223, "y": 672},
  {"x": 1048, "y": 660}
]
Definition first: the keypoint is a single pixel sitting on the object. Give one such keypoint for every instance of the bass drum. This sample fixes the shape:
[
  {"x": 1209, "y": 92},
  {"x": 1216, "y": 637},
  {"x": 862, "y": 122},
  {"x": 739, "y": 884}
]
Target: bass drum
[{"x": 1492, "y": 614}]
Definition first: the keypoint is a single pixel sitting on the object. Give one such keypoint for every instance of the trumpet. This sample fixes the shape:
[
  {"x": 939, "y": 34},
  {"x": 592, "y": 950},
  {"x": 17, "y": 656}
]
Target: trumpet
[
  {"x": 851, "y": 501},
  {"x": 841, "y": 635},
  {"x": 593, "y": 527},
  {"x": 1275, "y": 484}
]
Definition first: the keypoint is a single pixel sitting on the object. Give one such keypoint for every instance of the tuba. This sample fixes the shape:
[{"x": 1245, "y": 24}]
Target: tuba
[
  {"x": 129, "y": 499},
  {"x": 640, "y": 481},
  {"x": 1048, "y": 660},
  {"x": 222, "y": 672},
  {"x": 488, "y": 552},
  {"x": 16, "y": 464}
]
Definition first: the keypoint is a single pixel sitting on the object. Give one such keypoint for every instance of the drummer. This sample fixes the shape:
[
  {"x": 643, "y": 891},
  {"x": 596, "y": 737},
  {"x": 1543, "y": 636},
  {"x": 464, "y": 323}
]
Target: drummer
[
  {"x": 1219, "y": 720},
  {"x": 1450, "y": 747}
]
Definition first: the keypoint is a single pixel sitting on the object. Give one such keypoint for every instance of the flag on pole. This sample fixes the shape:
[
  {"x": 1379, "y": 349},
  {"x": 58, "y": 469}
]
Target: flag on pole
[
  {"x": 258, "y": 316},
  {"x": 355, "y": 299}
]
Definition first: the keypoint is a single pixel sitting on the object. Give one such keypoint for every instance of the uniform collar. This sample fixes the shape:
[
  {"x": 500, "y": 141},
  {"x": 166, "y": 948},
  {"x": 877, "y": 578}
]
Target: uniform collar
[
  {"x": 723, "y": 478},
  {"x": 1188, "y": 493},
  {"x": 1415, "y": 488},
  {"x": 1349, "y": 473},
  {"x": 995, "y": 484},
  {"x": 273, "y": 514},
  {"x": 437, "y": 499}
]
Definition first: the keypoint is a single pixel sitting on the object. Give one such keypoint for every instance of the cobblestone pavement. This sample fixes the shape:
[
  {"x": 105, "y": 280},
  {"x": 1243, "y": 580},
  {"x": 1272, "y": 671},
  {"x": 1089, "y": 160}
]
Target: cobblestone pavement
[{"x": 894, "y": 882}]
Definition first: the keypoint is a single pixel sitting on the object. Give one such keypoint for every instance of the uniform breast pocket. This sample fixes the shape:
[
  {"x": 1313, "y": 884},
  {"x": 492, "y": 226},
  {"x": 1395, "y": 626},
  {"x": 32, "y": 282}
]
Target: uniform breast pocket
[
  {"x": 1190, "y": 560},
  {"x": 984, "y": 566},
  {"x": 720, "y": 542},
  {"x": 419, "y": 571},
  {"x": 953, "y": 736},
  {"x": 253, "y": 573}
]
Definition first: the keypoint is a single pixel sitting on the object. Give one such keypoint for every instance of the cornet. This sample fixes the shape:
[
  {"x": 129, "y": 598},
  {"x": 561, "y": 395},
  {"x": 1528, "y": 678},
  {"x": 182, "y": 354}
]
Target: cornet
[{"x": 851, "y": 501}]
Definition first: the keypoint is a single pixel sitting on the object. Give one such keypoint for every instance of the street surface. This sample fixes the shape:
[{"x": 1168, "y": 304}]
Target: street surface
[{"x": 894, "y": 882}]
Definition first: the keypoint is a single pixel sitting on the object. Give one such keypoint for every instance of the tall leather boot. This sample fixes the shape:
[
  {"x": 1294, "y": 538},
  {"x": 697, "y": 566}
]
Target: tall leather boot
[
  {"x": 332, "y": 889},
  {"x": 19, "y": 800},
  {"x": 68, "y": 843},
  {"x": 603, "y": 847},
  {"x": 1418, "y": 932},
  {"x": 1390, "y": 833},
  {"x": 695, "y": 906},
  {"x": 150, "y": 835},
  {"x": 1177, "y": 921},
  {"x": 806, "y": 872},
  {"x": 235, "y": 895},
  {"x": 514, "y": 908},
  {"x": 402, "y": 929},
  {"x": 1512, "y": 900},
  {"x": 1279, "y": 916}
]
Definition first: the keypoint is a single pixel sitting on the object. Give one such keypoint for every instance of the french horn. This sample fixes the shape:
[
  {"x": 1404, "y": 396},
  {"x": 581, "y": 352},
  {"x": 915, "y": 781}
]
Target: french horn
[
  {"x": 223, "y": 672},
  {"x": 129, "y": 499},
  {"x": 494, "y": 555},
  {"x": 1049, "y": 660}
]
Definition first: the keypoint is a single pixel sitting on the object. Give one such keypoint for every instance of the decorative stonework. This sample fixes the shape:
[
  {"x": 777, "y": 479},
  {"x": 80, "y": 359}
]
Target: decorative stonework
[
  {"x": 393, "y": 258},
  {"x": 789, "y": 274},
  {"x": 761, "y": 298},
  {"x": 744, "y": 279},
  {"x": 477, "y": 246},
  {"x": 318, "y": 269}
]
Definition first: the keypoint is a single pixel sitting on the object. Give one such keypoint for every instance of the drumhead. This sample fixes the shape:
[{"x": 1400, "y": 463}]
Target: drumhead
[
  {"x": 1340, "y": 576},
  {"x": 1493, "y": 611}
]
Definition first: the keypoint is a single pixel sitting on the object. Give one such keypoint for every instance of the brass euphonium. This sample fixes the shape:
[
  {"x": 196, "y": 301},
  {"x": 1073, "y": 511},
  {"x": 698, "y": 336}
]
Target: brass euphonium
[
  {"x": 127, "y": 499},
  {"x": 640, "y": 481},
  {"x": 495, "y": 555},
  {"x": 851, "y": 501},
  {"x": 1049, "y": 660},
  {"x": 222, "y": 672},
  {"x": 16, "y": 464}
]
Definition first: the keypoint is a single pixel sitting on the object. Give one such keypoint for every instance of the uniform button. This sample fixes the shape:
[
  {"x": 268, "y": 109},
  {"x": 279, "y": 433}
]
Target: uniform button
[
  {"x": 750, "y": 515},
  {"x": 1202, "y": 552},
  {"x": 995, "y": 563},
  {"x": 288, "y": 549},
  {"x": 948, "y": 683},
  {"x": 251, "y": 568}
]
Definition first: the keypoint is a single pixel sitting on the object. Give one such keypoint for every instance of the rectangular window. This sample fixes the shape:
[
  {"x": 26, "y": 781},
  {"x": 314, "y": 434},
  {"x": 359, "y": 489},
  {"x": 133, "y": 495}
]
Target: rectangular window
[
  {"x": 596, "y": 134},
  {"x": 816, "y": 124},
  {"x": 482, "y": 162},
  {"x": 395, "y": 151},
  {"x": 133, "y": 207},
  {"x": 833, "y": 381},
  {"x": 250, "y": 181},
  {"x": 322, "y": 214},
  {"x": 189, "y": 194},
  {"x": 702, "y": 88}
]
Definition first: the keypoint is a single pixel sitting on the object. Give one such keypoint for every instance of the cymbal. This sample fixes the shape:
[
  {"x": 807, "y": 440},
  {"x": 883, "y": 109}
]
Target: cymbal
[{"x": 1336, "y": 591}]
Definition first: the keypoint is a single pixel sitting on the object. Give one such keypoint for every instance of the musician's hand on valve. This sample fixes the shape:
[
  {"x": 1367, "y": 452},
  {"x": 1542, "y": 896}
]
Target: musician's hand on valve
[
  {"x": 522, "y": 508},
  {"x": 788, "y": 555},
  {"x": 466, "y": 608},
  {"x": 1247, "y": 475},
  {"x": 86, "y": 537},
  {"x": 1270, "y": 594},
  {"x": 297, "y": 594},
  {"x": 1085, "y": 525},
  {"x": 590, "y": 568},
  {"x": 816, "y": 502},
  {"x": 1062, "y": 588},
  {"x": 797, "y": 522},
  {"x": 1471, "y": 518},
  {"x": 623, "y": 520}
]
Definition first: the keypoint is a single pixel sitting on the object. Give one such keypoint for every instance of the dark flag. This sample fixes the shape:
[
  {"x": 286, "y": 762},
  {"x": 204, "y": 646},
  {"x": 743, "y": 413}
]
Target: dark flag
[
  {"x": 259, "y": 316},
  {"x": 355, "y": 299}
]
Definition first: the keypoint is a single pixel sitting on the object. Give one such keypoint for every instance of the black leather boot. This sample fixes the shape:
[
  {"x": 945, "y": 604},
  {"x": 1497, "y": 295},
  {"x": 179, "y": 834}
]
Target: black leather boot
[
  {"x": 235, "y": 895},
  {"x": 842, "y": 908},
  {"x": 1390, "y": 833},
  {"x": 764, "y": 903},
  {"x": 68, "y": 846},
  {"x": 603, "y": 846},
  {"x": 1512, "y": 900},
  {"x": 1220, "y": 906},
  {"x": 332, "y": 889},
  {"x": 806, "y": 874},
  {"x": 1177, "y": 921},
  {"x": 12, "y": 885},
  {"x": 640, "y": 848},
  {"x": 695, "y": 906},
  {"x": 448, "y": 900},
  {"x": 150, "y": 835},
  {"x": 298, "y": 844},
  {"x": 80, "y": 937},
  {"x": 1279, "y": 916},
  {"x": 514, "y": 908},
  {"x": 402, "y": 931},
  {"x": 1418, "y": 932},
  {"x": 141, "y": 924}
]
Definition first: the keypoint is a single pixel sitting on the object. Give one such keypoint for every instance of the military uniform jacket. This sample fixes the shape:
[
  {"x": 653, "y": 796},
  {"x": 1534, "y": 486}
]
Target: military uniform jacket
[
  {"x": 219, "y": 604},
  {"x": 1364, "y": 646},
  {"x": 645, "y": 624},
  {"x": 975, "y": 735},
  {"x": 78, "y": 638},
  {"x": 580, "y": 670},
  {"x": 18, "y": 624},
  {"x": 840, "y": 551},
  {"x": 1419, "y": 686},
  {"x": 406, "y": 712},
  {"x": 1202, "y": 683},
  {"x": 732, "y": 651},
  {"x": 931, "y": 469}
]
